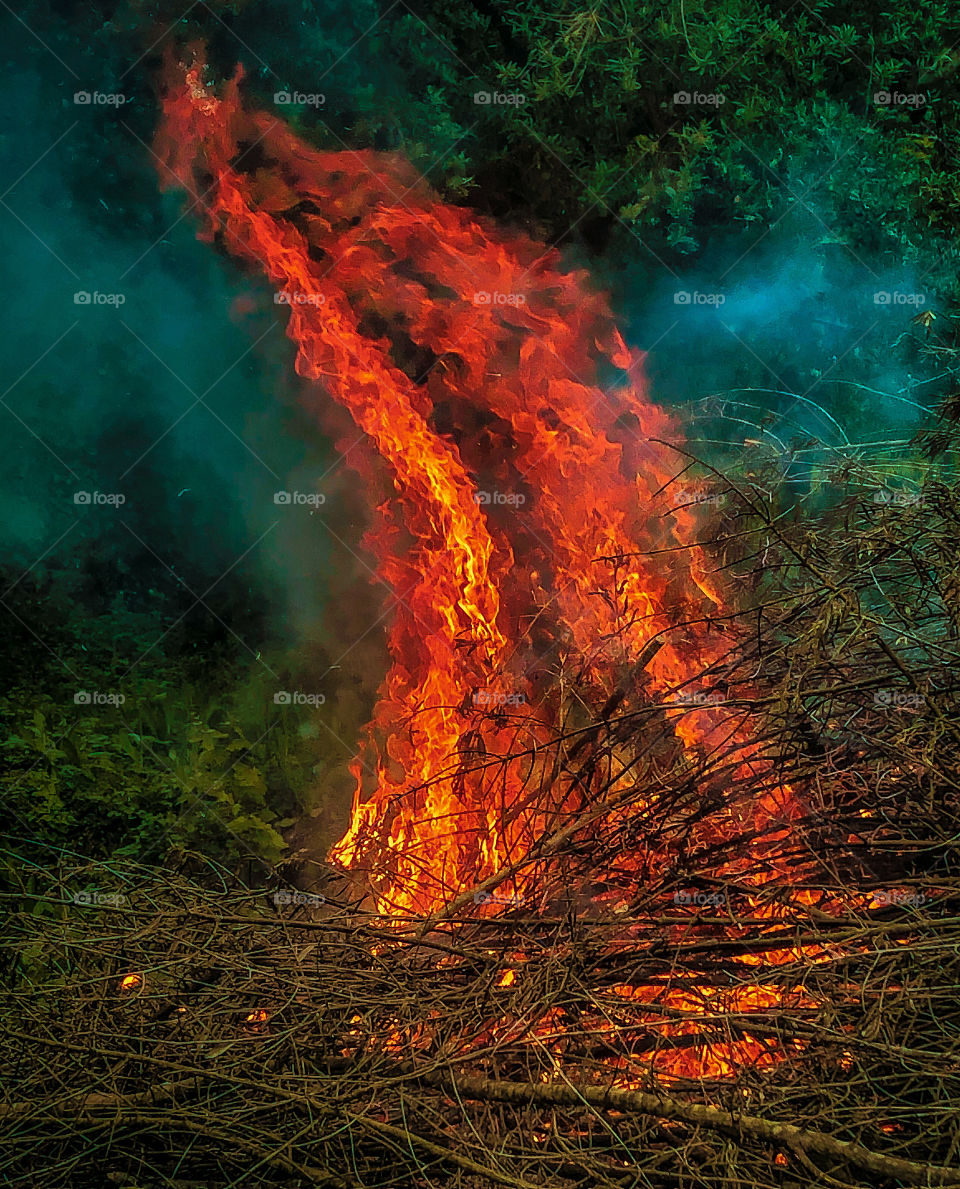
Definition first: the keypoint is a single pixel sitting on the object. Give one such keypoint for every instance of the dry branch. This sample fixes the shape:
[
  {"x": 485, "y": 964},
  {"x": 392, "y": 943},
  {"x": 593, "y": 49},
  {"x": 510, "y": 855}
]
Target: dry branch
[{"x": 801, "y": 952}]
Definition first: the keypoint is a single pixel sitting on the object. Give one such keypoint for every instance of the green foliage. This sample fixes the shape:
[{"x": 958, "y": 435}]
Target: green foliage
[
  {"x": 601, "y": 139},
  {"x": 205, "y": 764},
  {"x": 600, "y": 145}
]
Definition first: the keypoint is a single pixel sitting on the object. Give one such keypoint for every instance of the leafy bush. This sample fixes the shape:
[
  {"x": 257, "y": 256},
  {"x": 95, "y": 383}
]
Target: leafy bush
[
  {"x": 600, "y": 140},
  {"x": 183, "y": 763}
]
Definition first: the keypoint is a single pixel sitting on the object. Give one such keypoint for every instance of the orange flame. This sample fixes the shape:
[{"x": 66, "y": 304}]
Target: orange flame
[
  {"x": 257, "y": 1020},
  {"x": 527, "y": 510},
  {"x": 568, "y": 454}
]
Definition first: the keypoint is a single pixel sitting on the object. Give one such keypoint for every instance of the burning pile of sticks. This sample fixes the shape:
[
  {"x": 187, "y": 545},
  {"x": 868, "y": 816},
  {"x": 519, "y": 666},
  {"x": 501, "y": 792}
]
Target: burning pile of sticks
[{"x": 672, "y": 988}]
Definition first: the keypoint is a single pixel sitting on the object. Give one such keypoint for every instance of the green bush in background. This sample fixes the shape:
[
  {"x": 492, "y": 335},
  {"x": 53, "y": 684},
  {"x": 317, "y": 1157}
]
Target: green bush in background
[
  {"x": 599, "y": 141},
  {"x": 197, "y": 756}
]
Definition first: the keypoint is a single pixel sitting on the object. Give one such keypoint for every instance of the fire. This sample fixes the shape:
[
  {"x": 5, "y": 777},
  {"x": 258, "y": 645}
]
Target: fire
[
  {"x": 523, "y": 516},
  {"x": 535, "y": 528},
  {"x": 130, "y": 983}
]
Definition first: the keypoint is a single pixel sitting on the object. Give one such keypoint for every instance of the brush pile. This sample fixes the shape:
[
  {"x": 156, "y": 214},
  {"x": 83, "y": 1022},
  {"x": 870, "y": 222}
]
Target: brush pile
[{"x": 697, "y": 994}]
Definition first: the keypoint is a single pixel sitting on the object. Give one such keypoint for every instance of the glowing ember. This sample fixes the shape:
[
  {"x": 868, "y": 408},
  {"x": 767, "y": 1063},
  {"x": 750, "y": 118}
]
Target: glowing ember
[{"x": 130, "y": 983}]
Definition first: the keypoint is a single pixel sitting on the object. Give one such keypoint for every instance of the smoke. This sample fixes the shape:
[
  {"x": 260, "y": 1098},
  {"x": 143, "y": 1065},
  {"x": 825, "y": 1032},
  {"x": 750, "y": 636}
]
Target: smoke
[
  {"x": 151, "y": 433},
  {"x": 790, "y": 335}
]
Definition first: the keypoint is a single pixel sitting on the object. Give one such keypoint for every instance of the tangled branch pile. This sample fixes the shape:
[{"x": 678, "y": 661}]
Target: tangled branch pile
[{"x": 703, "y": 999}]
